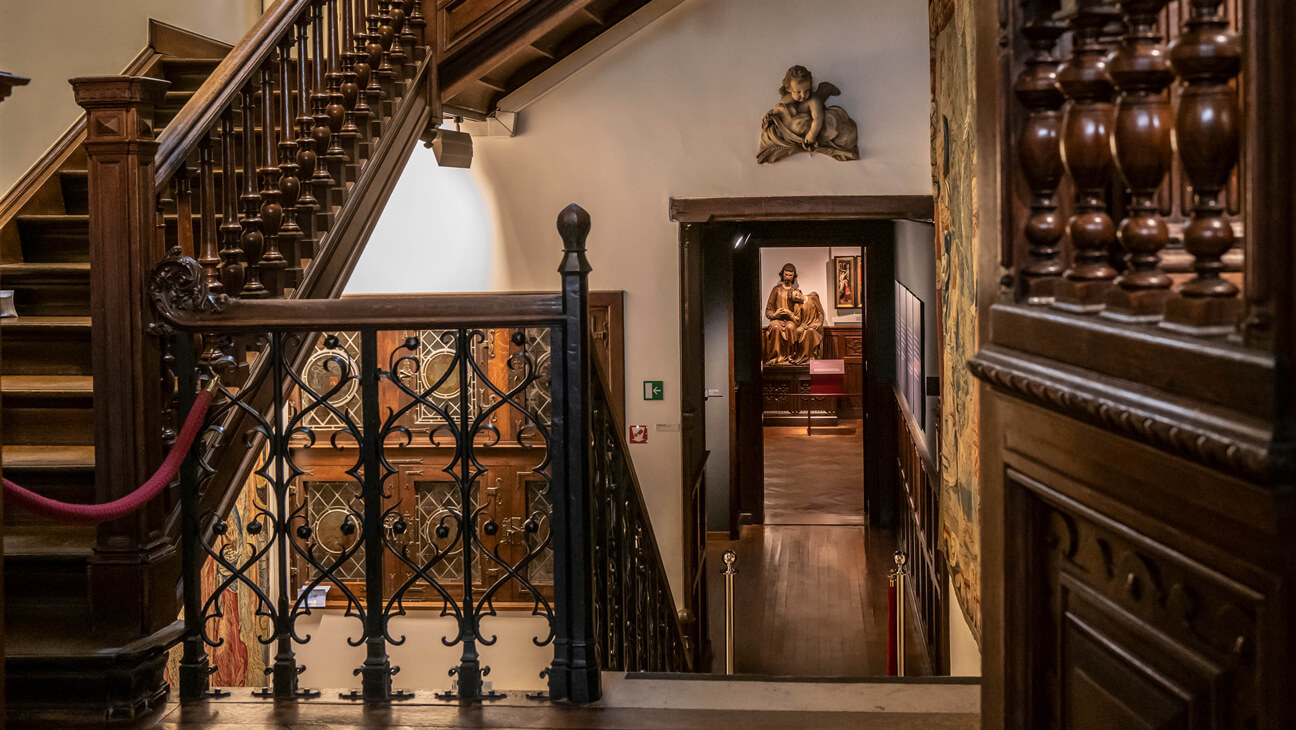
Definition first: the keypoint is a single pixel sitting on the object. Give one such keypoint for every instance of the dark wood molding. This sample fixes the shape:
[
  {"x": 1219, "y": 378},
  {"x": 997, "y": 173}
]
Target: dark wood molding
[
  {"x": 1209, "y": 435},
  {"x": 8, "y": 81},
  {"x": 802, "y": 207}
]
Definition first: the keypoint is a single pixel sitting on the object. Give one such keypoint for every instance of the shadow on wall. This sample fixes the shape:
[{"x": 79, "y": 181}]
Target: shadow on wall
[{"x": 437, "y": 234}]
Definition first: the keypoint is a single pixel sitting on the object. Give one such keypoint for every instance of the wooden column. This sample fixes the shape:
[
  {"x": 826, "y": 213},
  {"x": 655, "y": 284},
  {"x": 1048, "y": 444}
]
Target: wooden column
[
  {"x": 1141, "y": 142},
  {"x": 1086, "y": 150},
  {"x": 1040, "y": 155},
  {"x": 1207, "y": 57},
  {"x": 127, "y": 359}
]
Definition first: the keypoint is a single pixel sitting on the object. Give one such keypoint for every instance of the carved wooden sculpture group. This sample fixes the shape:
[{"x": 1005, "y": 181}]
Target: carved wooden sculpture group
[{"x": 802, "y": 121}]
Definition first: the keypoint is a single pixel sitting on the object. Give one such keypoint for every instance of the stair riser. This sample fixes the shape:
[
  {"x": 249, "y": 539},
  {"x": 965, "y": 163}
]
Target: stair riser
[
  {"x": 48, "y": 426},
  {"x": 47, "y": 352},
  {"x": 50, "y": 298},
  {"x": 75, "y": 486},
  {"x": 34, "y": 584},
  {"x": 55, "y": 241}
]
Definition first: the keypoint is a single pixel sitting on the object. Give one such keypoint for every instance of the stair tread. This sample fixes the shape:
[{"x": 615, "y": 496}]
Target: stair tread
[
  {"x": 47, "y": 385},
  {"x": 18, "y": 268},
  {"x": 55, "y": 322},
  {"x": 49, "y": 540},
  {"x": 48, "y": 458}
]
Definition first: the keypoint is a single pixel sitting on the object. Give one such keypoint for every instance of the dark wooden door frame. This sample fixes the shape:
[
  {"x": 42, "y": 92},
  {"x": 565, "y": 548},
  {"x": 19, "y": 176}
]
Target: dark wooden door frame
[{"x": 691, "y": 214}]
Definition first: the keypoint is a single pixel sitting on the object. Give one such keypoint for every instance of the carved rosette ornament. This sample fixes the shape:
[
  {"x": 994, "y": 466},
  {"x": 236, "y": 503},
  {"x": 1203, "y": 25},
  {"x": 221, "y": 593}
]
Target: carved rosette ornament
[{"x": 802, "y": 121}]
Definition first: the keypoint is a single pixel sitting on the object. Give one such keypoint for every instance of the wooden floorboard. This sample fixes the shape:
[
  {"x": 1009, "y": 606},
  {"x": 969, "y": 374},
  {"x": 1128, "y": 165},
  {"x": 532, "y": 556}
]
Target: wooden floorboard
[
  {"x": 814, "y": 479},
  {"x": 809, "y": 601}
]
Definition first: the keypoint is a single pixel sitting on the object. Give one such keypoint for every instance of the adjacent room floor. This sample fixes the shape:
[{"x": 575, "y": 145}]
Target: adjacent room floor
[{"x": 810, "y": 599}]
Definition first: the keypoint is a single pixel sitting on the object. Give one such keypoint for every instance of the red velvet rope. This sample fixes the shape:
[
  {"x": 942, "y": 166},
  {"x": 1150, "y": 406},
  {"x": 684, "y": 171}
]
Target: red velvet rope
[{"x": 96, "y": 513}]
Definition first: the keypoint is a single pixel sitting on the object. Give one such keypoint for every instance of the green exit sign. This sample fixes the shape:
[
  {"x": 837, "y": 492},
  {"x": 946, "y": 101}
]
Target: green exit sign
[{"x": 652, "y": 390}]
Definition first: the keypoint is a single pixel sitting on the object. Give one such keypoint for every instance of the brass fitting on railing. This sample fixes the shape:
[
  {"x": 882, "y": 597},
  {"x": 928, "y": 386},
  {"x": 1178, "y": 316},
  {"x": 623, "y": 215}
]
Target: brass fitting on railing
[{"x": 730, "y": 557}]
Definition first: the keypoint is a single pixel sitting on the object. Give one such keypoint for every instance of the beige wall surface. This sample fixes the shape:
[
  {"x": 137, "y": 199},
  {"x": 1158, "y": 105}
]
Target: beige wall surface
[
  {"x": 674, "y": 111},
  {"x": 55, "y": 40}
]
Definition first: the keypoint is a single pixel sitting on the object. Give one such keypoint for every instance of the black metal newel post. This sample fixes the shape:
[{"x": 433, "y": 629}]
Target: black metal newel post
[
  {"x": 574, "y": 675},
  {"x": 195, "y": 669},
  {"x": 469, "y": 672},
  {"x": 376, "y": 673}
]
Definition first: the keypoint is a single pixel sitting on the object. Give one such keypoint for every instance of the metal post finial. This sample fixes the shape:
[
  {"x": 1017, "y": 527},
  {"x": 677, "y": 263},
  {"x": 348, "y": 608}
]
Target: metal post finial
[{"x": 574, "y": 227}]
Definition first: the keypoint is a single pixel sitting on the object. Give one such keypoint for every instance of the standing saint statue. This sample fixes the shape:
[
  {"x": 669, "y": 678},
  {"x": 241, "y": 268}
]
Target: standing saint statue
[
  {"x": 809, "y": 331},
  {"x": 783, "y": 310}
]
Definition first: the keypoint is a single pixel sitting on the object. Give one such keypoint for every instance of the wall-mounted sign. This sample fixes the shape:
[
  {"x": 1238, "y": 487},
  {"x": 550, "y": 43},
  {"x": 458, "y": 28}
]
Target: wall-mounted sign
[
  {"x": 653, "y": 390},
  {"x": 638, "y": 434}
]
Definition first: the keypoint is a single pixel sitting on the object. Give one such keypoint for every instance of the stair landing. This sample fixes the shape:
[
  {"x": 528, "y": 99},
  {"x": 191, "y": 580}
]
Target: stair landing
[{"x": 644, "y": 702}]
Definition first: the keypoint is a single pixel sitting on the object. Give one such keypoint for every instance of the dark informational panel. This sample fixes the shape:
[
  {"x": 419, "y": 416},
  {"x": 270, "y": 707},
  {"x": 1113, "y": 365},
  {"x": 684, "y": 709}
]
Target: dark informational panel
[{"x": 909, "y": 352}]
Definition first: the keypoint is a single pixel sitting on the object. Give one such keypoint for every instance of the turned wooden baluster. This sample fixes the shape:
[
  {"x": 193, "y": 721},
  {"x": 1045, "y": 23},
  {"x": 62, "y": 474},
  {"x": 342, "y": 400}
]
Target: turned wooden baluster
[
  {"x": 306, "y": 156},
  {"x": 208, "y": 249},
  {"x": 321, "y": 132},
  {"x": 386, "y": 37},
  {"x": 232, "y": 260},
  {"x": 1040, "y": 154},
  {"x": 418, "y": 29},
  {"x": 360, "y": 65},
  {"x": 182, "y": 192},
  {"x": 1141, "y": 144},
  {"x": 252, "y": 240},
  {"x": 399, "y": 57},
  {"x": 1206, "y": 58},
  {"x": 335, "y": 111},
  {"x": 375, "y": 90},
  {"x": 1086, "y": 152},
  {"x": 272, "y": 260},
  {"x": 290, "y": 233},
  {"x": 349, "y": 89}
]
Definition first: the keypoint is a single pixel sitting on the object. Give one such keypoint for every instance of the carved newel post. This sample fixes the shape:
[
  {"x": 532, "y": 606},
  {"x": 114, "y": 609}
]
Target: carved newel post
[
  {"x": 127, "y": 360},
  {"x": 1086, "y": 150},
  {"x": 1040, "y": 155},
  {"x": 1142, "y": 146},
  {"x": 1207, "y": 126}
]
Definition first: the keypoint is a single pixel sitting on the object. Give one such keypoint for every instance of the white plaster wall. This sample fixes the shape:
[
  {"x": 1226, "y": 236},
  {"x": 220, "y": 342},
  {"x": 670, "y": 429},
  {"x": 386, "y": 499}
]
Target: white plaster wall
[
  {"x": 965, "y": 653},
  {"x": 425, "y": 661},
  {"x": 56, "y": 40},
  {"x": 675, "y": 111}
]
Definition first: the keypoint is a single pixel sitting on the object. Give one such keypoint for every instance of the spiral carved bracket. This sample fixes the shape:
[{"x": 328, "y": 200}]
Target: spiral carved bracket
[{"x": 177, "y": 287}]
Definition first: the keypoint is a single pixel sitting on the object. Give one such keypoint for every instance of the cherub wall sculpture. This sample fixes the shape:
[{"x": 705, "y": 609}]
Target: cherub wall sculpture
[{"x": 802, "y": 121}]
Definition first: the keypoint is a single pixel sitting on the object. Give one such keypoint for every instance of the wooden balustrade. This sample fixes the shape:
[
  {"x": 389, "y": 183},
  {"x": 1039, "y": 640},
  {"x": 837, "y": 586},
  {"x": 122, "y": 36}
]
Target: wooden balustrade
[
  {"x": 1086, "y": 152},
  {"x": 1040, "y": 155},
  {"x": 1142, "y": 134},
  {"x": 1206, "y": 58}
]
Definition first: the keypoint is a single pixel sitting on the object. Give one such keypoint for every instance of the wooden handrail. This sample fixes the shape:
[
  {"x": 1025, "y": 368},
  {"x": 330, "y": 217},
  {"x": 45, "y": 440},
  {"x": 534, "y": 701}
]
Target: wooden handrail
[
  {"x": 432, "y": 311},
  {"x": 216, "y": 94}
]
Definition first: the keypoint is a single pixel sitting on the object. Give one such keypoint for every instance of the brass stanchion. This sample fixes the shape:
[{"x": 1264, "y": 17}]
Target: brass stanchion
[
  {"x": 730, "y": 557},
  {"x": 898, "y": 578}
]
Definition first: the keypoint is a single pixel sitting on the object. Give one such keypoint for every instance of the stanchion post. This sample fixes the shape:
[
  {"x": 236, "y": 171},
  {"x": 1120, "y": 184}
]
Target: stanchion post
[
  {"x": 730, "y": 557},
  {"x": 900, "y": 560}
]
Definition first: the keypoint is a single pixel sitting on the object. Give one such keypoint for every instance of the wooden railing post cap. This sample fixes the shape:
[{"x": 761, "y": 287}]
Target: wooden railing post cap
[
  {"x": 97, "y": 92},
  {"x": 574, "y": 227}
]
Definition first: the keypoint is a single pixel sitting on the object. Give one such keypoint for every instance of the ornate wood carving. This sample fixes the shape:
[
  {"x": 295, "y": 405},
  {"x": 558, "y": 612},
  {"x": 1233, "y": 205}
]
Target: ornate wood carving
[
  {"x": 1158, "y": 618},
  {"x": 1205, "y": 438},
  {"x": 1040, "y": 155},
  {"x": 1141, "y": 143},
  {"x": 1207, "y": 57},
  {"x": 1087, "y": 154}
]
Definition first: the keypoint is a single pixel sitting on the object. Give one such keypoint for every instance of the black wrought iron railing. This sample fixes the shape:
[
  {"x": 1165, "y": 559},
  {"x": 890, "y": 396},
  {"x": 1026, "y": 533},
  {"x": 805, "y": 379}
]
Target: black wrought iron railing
[
  {"x": 637, "y": 628},
  {"x": 480, "y": 386}
]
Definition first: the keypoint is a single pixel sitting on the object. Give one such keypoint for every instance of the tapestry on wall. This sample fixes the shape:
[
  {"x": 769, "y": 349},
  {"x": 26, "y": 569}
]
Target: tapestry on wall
[
  {"x": 240, "y": 659},
  {"x": 953, "y": 135}
]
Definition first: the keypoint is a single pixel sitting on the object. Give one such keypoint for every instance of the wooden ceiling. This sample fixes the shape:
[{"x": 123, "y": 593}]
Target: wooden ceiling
[{"x": 490, "y": 48}]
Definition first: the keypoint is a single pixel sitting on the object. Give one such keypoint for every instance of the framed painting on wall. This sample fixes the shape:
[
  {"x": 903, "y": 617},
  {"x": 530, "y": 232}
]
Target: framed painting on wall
[
  {"x": 859, "y": 279},
  {"x": 845, "y": 282}
]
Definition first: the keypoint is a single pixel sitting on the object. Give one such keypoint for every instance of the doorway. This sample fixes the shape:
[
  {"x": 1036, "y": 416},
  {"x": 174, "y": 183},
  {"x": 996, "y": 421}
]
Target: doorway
[{"x": 785, "y": 486}]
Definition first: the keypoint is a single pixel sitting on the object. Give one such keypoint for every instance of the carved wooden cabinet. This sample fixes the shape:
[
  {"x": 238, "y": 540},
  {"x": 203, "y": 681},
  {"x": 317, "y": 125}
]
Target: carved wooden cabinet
[
  {"x": 785, "y": 388},
  {"x": 846, "y": 342}
]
